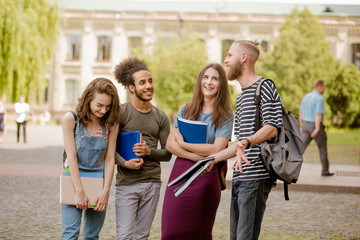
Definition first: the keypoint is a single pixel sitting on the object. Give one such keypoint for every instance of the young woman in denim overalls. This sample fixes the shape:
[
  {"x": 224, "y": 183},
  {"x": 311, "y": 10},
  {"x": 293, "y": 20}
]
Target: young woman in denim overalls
[{"x": 92, "y": 149}]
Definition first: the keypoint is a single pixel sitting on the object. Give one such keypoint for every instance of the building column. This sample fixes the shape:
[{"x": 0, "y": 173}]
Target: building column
[
  {"x": 149, "y": 37},
  {"x": 119, "y": 52},
  {"x": 120, "y": 44},
  {"x": 341, "y": 51},
  {"x": 56, "y": 84},
  {"x": 213, "y": 45},
  {"x": 88, "y": 52}
]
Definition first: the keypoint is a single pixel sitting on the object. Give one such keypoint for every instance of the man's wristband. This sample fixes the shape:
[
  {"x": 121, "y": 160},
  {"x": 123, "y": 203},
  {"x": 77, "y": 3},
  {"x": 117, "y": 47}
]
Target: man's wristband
[{"x": 248, "y": 143}]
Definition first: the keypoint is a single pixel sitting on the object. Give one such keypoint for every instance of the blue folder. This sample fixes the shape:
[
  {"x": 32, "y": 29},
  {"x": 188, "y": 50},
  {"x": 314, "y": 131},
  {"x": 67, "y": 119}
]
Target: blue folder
[
  {"x": 86, "y": 174},
  {"x": 125, "y": 143},
  {"x": 193, "y": 131}
]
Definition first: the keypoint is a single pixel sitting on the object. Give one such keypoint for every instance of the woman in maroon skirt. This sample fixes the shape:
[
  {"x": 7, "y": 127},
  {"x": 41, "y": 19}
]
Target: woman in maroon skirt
[{"x": 191, "y": 215}]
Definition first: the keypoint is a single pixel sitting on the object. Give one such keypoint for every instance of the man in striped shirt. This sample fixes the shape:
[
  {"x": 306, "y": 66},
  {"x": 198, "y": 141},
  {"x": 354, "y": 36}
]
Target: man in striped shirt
[{"x": 251, "y": 182}]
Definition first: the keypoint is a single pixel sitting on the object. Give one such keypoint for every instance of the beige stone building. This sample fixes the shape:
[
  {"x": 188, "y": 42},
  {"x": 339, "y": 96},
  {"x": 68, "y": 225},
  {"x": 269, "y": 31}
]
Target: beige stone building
[{"x": 94, "y": 35}]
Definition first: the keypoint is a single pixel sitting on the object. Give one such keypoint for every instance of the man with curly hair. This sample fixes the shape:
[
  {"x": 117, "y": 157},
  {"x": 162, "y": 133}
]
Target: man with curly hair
[{"x": 138, "y": 181}]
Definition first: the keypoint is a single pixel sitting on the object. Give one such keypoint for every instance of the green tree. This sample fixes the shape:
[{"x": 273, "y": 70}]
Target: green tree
[
  {"x": 28, "y": 31},
  {"x": 175, "y": 66},
  {"x": 300, "y": 56},
  {"x": 344, "y": 96}
]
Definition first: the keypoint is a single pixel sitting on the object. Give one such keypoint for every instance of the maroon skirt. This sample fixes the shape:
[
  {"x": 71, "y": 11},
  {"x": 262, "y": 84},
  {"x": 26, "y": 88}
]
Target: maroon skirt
[{"x": 190, "y": 215}]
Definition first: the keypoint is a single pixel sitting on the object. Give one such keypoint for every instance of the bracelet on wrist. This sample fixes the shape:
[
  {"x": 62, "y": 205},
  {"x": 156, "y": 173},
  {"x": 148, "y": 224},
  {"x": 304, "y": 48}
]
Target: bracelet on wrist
[{"x": 248, "y": 143}]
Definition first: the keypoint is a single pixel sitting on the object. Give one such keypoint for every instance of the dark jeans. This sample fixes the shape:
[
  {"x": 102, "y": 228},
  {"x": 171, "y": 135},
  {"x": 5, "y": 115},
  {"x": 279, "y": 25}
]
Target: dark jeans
[
  {"x": 248, "y": 203},
  {"x": 24, "y": 131}
]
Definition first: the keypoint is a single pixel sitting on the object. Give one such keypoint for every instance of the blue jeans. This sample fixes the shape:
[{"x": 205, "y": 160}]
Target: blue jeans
[
  {"x": 71, "y": 220},
  {"x": 248, "y": 203}
]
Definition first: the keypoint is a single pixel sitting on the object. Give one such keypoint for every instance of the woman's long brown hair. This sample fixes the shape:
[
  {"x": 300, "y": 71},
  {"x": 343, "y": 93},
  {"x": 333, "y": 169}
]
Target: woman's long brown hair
[
  {"x": 100, "y": 85},
  {"x": 221, "y": 108}
]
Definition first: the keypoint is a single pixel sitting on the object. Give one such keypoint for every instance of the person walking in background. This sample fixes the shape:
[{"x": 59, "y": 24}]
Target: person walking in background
[
  {"x": 22, "y": 110},
  {"x": 90, "y": 146},
  {"x": 138, "y": 180},
  {"x": 191, "y": 215},
  {"x": 45, "y": 117},
  {"x": 2, "y": 120},
  {"x": 311, "y": 116},
  {"x": 251, "y": 183}
]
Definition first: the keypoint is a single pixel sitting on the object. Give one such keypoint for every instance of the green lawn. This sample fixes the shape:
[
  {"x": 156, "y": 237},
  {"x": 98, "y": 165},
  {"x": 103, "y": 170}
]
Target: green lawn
[
  {"x": 343, "y": 147},
  {"x": 343, "y": 136}
]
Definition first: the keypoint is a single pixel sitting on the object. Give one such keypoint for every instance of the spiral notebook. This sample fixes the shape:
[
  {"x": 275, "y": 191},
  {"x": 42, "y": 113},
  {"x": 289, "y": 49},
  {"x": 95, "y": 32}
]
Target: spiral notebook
[{"x": 190, "y": 174}]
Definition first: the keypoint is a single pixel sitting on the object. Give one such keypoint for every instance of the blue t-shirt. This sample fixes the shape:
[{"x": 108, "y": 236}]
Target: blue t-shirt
[
  {"x": 311, "y": 104},
  {"x": 225, "y": 130}
]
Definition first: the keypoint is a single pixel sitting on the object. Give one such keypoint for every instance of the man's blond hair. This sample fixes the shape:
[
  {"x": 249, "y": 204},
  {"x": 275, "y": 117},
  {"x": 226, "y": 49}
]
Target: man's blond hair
[{"x": 250, "y": 47}]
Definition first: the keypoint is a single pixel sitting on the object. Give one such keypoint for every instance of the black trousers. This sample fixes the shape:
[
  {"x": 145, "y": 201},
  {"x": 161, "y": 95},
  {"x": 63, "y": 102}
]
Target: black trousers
[
  {"x": 24, "y": 130},
  {"x": 321, "y": 142}
]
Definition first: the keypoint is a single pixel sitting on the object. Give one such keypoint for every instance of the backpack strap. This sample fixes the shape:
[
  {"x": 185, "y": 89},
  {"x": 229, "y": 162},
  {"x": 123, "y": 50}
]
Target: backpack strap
[
  {"x": 286, "y": 191},
  {"x": 257, "y": 99},
  {"x": 75, "y": 118},
  {"x": 74, "y": 114}
]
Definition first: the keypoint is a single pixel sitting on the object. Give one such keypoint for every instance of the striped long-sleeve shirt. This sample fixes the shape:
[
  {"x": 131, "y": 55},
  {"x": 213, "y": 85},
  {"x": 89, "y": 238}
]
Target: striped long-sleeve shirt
[{"x": 271, "y": 114}]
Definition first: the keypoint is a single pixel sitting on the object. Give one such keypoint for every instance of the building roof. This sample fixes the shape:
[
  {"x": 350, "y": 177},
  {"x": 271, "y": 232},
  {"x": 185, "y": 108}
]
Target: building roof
[{"x": 211, "y": 7}]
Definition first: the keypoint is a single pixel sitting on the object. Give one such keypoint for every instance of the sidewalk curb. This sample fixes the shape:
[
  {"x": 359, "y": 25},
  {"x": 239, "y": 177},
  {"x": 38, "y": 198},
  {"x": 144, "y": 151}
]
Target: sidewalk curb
[
  {"x": 319, "y": 188},
  {"x": 312, "y": 188}
]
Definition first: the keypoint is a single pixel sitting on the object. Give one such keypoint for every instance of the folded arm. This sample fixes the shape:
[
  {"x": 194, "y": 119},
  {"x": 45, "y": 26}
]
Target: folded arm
[
  {"x": 173, "y": 147},
  {"x": 201, "y": 149}
]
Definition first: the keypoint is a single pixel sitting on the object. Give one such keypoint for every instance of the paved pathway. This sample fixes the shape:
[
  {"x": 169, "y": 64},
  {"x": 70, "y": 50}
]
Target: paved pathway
[{"x": 29, "y": 193}]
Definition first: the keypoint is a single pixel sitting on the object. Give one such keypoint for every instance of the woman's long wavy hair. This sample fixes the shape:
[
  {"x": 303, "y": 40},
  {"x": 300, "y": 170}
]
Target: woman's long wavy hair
[
  {"x": 221, "y": 106},
  {"x": 100, "y": 85}
]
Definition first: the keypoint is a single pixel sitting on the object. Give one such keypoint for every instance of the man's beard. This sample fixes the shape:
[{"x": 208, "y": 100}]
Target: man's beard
[
  {"x": 235, "y": 71},
  {"x": 139, "y": 96}
]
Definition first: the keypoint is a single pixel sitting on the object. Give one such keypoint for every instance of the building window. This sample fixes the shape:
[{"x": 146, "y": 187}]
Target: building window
[
  {"x": 104, "y": 46},
  {"x": 135, "y": 44},
  {"x": 355, "y": 54},
  {"x": 166, "y": 41},
  {"x": 72, "y": 91},
  {"x": 73, "y": 50},
  {"x": 225, "y": 45}
]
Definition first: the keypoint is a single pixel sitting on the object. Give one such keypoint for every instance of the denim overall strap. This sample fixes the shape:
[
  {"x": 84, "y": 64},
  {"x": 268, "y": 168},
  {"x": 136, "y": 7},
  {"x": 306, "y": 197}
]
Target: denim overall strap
[
  {"x": 78, "y": 135},
  {"x": 91, "y": 150},
  {"x": 104, "y": 132}
]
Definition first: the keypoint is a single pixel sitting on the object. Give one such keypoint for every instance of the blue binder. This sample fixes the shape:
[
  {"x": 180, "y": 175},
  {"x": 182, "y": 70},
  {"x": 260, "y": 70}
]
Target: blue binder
[
  {"x": 125, "y": 143},
  {"x": 193, "y": 131}
]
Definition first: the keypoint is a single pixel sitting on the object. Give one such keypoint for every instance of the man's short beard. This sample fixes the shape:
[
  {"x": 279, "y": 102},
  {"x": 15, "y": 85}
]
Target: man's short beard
[
  {"x": 138, "y": 95},
  {"x": 235, "y": 72}
]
